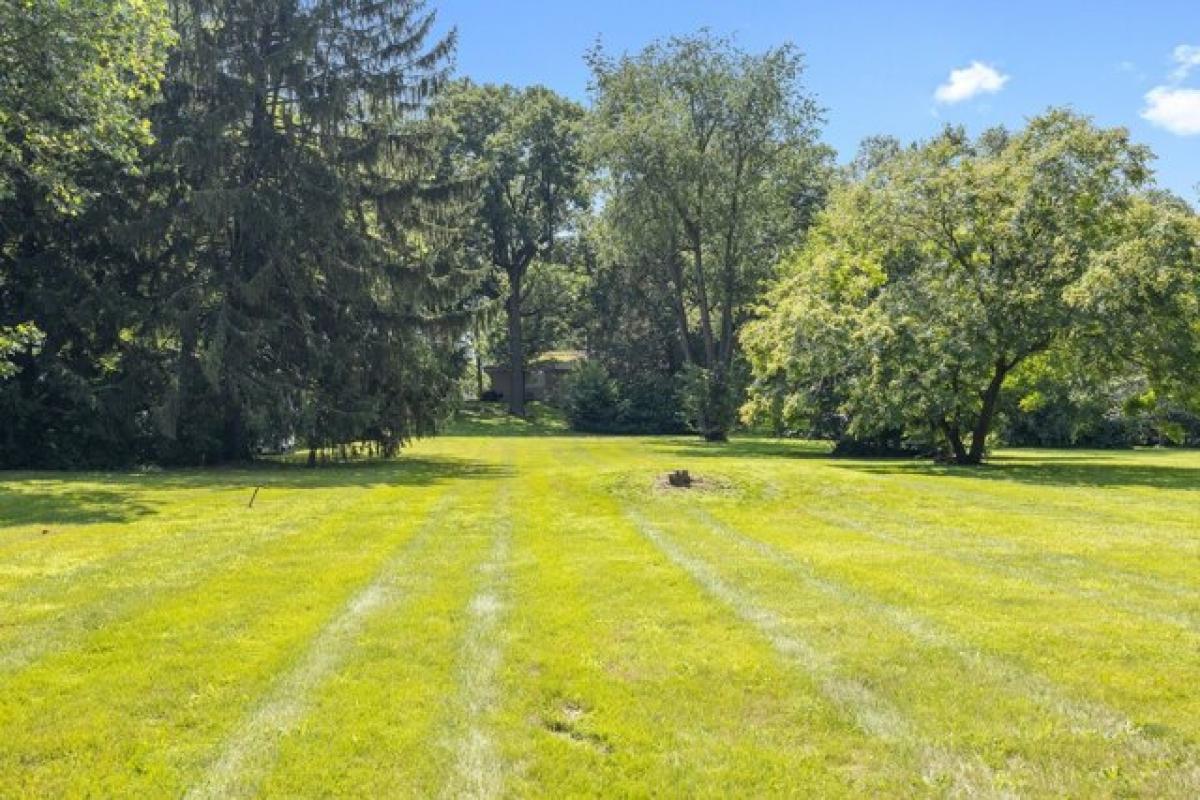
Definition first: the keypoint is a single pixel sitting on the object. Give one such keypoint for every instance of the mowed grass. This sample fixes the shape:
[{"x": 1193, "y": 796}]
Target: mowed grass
[{"x": 502, "y": 615}]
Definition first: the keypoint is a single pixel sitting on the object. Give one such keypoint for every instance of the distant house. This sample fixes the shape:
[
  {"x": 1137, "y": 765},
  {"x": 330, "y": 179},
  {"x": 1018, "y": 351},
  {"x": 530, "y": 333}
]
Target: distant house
[{"x": 543, "y": 378}]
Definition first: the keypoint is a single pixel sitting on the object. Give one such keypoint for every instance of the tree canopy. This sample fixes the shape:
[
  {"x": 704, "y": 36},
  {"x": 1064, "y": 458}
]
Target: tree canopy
[
  {"x": 523, "y": 149},
  {"x": 933, "y": 277},
  {"x": 286, "y": 266},
  {"x": 712, "y": 168},
  {"x": 76, "y": 77}
]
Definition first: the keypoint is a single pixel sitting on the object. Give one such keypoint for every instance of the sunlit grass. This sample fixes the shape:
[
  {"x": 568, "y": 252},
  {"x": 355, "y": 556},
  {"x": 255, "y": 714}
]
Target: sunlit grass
[{"x": 538, "y": 615}]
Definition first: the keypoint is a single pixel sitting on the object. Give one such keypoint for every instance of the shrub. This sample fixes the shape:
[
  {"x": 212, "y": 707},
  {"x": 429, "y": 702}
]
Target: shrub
[
  {"x": 591, "y": 400},
  {"x": 711, "y": 405}
]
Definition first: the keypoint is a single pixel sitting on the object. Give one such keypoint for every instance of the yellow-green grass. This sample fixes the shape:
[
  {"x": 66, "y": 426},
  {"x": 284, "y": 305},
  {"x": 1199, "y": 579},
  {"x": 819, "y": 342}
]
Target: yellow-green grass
[{"x": 495, "y": 614}]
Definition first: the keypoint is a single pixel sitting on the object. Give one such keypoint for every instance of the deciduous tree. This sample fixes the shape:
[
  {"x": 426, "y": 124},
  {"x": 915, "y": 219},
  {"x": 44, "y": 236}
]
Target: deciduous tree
[
  {"x": 945, "y": 267},
  {"x": 522, "y": 148},
  {"x": 712, "y": 168}
]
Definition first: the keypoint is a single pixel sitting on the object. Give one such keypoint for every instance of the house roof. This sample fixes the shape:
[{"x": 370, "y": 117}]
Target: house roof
[{"x": 562, "y": 358}]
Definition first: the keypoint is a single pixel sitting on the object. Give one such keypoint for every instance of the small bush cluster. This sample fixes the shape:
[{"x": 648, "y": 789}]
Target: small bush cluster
[{"x": 595, "y": 402}]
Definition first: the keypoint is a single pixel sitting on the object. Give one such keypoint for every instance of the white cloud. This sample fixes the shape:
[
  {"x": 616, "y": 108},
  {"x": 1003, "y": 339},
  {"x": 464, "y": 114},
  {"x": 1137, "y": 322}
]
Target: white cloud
[
  {"x": 1187, "y": 58},
  {"x": 1174, "y": 108},
  {"x": 963, "y": 84}
]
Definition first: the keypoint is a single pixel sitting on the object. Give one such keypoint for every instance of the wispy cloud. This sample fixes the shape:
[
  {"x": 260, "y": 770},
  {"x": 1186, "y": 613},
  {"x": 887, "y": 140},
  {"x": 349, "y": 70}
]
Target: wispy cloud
[
  {"x": 1187, "y": 58},
  {"x": 968, "y": 82},
  {"x": 1173, "y": 107}
]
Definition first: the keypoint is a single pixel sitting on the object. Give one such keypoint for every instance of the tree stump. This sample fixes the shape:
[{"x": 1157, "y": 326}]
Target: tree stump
[{"x": 680, "y": 479}]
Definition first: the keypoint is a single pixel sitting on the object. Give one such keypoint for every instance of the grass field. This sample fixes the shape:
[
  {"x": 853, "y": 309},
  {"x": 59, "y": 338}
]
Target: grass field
[{"x": 503, "y": 615}]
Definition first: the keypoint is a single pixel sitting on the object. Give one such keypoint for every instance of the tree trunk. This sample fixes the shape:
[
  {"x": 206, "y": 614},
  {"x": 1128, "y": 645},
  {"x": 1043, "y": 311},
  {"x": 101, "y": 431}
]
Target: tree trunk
[
  {"x": 516, "y": 348},
  {"x": 706, "y": 330},
  {"x": 233, "y": 432},
  {"x": 954, "y": 438},
  {"x": 478, "y": 364},
  {"x": 680, "y": 304},
  {"x": 983, "y": 426}
]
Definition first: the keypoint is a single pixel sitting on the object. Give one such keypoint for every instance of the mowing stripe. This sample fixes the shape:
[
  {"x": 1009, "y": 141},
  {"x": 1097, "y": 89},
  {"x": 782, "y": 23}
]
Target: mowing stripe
[
  {"x": 969, "y": 775},
  {"x": 479, "y": 772},
  {"x": 45, "y": 637},
  {"x": 1183, "y": 620},
  {"x": 1083, "y": 716},
  {"x": 1015, "y": 545},
  {"x": 249, "y": 751},
  {"x": 1054, "y": 561},
  {"x": 1119, "y": 517}
]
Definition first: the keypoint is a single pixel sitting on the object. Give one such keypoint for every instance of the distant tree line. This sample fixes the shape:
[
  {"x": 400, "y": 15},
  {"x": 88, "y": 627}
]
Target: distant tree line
[{"x": 234, "y": 226}]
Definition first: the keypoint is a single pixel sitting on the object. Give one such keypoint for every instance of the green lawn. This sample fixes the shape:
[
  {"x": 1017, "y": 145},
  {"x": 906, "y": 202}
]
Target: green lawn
[{"x": 497, "y": 615}]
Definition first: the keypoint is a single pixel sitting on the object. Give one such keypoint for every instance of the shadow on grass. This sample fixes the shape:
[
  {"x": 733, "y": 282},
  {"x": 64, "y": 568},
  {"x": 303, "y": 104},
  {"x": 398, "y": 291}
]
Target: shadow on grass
[
  {"x": 67, "y": 506},
  {"x": 493, "y": 420},
  {"x": 1093, "y": 470},
  {"x": 743, "y": 448},
  {"x": 44, "y": 498},
  {"x": 1042, "y": 468}
]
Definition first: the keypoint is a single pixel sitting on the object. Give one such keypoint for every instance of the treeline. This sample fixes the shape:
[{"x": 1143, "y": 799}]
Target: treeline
[{"x": 237, "y": 226}]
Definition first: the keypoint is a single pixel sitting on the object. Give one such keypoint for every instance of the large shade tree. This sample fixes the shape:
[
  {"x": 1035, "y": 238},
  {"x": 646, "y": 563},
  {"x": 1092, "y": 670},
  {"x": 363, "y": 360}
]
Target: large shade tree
[
  {"x": 712, "y": 169},
  {"x": 942, "y": 269},
  {"x": 522, "y": 149}
]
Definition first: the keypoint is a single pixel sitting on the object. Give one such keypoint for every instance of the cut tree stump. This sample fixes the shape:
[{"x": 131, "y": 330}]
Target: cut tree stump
[{"x": 680, "y": 478}]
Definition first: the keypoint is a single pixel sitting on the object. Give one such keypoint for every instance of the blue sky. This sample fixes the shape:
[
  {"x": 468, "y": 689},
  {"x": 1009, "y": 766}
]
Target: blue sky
[{"x": 876, "y": 66}]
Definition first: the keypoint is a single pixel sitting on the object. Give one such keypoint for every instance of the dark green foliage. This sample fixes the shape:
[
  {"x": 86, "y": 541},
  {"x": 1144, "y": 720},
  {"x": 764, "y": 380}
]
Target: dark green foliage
[
  {"x": 712, "y": 171},
  {"x": 710, "y": 402},
  {"x": 632, "y": 331},
  {"x": 591, "y": 401},
  {"x": 1118, "y": 413},
  {"x": 522, "y": 150},
  {"x": 885, "y": 445},
  {"x": 284, "y": 268},
  {"x": 596, "y": 402},
  {"x": 651, "y": 404}
]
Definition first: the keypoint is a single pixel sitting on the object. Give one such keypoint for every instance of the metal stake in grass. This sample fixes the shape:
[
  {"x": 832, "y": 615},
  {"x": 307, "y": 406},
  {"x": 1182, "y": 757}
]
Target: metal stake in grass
[{"x": 253, "y": 497}]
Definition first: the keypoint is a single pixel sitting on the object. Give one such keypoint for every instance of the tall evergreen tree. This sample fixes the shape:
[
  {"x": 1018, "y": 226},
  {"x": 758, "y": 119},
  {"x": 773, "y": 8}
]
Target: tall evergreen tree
[
  {"x": 311, "y": 251},
  {"x": 284, "y": 264}
]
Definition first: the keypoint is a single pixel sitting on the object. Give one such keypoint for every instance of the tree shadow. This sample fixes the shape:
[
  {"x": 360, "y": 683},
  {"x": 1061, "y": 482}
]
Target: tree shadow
[
  {"x": 492, "y": 420},
  {"x": 67, "y": 506},
  {"x": 1067, "y": 468},
  {"x": 404, "y": 470},
  {"x": 743, "y": 448},
  {"x": 1090, "y": 470},
  {"x": 46, "y": 498}
]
